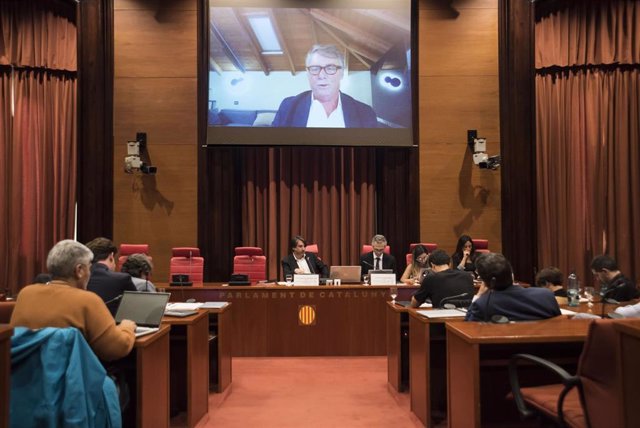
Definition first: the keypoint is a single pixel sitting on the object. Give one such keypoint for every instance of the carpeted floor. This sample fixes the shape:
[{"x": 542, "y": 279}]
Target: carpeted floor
[{"x": 309, "y": 392}]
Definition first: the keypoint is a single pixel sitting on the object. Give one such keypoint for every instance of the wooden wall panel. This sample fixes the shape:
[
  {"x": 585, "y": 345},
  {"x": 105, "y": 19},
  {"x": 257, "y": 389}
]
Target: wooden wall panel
[
  {"x": 459, "y": 90},
  {"x": 155, "y": 89}
]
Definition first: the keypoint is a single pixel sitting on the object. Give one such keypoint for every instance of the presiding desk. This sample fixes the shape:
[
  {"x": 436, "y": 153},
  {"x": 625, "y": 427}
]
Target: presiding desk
[
  {"x": 146, "y": 369},
  {"x": 5, "y": 372},
  {"x": 478, "y": 355},
  {"x": 189, "y": 379},
  {"x": 272, "y": 320}
]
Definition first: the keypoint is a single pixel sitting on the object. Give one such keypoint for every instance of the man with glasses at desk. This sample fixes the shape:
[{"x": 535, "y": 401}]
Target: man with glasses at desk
[{"x": 324, "y": 106}]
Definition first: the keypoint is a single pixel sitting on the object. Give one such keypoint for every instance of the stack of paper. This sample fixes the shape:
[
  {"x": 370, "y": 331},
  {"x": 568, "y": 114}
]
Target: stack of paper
[
  {"x": 442, "y": 313},
  {"x": 182, "y": 306},
  {"x": 214, "y": 305}
]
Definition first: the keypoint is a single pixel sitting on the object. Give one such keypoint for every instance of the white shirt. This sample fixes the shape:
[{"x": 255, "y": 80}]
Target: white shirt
[
  {"x": 302, "y": 264},
  {"x": 318, "y": 117}
]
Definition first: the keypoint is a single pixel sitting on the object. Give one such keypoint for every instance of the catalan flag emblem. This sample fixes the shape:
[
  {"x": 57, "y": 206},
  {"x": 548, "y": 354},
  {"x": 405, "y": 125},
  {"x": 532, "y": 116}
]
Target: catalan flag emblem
[{"x": 306, "y": 315}]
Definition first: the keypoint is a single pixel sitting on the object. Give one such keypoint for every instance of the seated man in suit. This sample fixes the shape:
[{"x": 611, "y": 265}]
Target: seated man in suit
[
  {"x": 499, "y": 296},
  {"x": 377, "y": 259},
  {"x": 444, "y": 283},
  {"x": 139, "y": 266},
  {"x": 106, "y": 283},
  {"x": 324, "y": 106},
  {"x": 615, "y": 285},
  {"x": 298, "y": 262}
]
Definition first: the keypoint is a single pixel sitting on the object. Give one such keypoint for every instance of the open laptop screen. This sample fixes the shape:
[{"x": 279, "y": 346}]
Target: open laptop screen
[
  {"x": 347, "y": 274},
  {"x": 145, "y": 309}
]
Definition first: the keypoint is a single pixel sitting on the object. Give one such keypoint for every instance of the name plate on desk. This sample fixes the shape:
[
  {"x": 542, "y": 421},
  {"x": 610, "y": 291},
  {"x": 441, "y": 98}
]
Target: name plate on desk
[
  {"x": 383, "y": 279},
  {"x": 306, "y": 279}
]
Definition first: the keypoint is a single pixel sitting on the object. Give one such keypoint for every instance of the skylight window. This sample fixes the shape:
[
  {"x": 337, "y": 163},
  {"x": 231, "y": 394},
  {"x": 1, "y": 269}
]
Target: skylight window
[{"x": 265, "y": 33}]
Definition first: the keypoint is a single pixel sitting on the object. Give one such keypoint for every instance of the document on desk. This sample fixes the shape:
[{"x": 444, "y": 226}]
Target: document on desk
[
  {"x": 442, "y": 313},
  {"x": 183, "y": 306},
  {"x": 214, "y": 305}
]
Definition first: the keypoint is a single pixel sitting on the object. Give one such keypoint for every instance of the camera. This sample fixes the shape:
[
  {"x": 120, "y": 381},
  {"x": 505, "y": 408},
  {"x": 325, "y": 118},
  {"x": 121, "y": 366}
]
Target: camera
[
  {"x": 478, "y": 147},
  {"x": 133, "y": 161}
]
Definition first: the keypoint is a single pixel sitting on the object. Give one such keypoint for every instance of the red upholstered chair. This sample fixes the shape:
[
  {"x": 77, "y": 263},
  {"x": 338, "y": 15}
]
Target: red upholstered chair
[
  {"x": 6, "y": 309},
  {"x": 368, "y": 248},
  {"x": 250, "y": 261},
  {"x": 312, "y": 248},
  {"x": 187, "y": 261},
  {"x": 431, "y": 247},
  {"x": 591, "y": 398},
  {"x": 481, "y": 245},
  {"x": 127, "y": 249}
]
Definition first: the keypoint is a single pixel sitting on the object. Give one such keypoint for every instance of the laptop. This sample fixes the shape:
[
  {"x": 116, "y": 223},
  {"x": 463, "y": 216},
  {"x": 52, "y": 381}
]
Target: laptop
[
  {"x": 347, "y": 274},
  {"x": 145, "y": 309}
]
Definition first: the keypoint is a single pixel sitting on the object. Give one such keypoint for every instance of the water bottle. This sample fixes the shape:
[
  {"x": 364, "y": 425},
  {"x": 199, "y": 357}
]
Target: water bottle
[{"x": 573, "y": 289}]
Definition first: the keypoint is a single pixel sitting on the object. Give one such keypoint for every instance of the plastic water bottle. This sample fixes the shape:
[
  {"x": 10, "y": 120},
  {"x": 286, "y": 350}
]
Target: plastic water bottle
[{"x": 573, "y": 289}]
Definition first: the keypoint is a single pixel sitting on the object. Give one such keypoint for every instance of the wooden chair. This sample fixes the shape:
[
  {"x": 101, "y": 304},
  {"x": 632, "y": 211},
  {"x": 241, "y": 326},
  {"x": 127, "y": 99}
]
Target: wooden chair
[{"x": 591, "y": 398}]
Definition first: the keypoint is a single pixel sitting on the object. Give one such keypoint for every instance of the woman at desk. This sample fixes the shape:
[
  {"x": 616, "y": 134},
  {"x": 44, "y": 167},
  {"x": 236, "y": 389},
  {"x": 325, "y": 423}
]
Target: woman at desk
[
  {"x": 465, "y": 255},
  {"x": 65, "y": 302},
  {"x": 418, "y": 267}
]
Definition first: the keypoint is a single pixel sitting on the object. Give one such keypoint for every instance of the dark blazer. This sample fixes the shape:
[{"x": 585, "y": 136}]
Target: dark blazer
[
  {"x": 516, "y": 303},
  {"x": 289, "y": 264},
  {"x": 388, "y": 262},
  {"x": 109, "y": 285},
  {"x": 294, "y": 112}
]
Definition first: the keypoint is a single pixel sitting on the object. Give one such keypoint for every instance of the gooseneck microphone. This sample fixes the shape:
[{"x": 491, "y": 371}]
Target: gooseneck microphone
[
  {"x": 606, "y": 300},
  {"x": 444, "y": 301},
  {"x": 115, "y": 299}
]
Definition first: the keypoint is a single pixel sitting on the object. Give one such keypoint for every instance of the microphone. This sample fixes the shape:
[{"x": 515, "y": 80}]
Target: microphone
[
  {"x": 115, "y": 299},
  {"x": 367, "y": 263},
  {"x": 448, "y": 298}
]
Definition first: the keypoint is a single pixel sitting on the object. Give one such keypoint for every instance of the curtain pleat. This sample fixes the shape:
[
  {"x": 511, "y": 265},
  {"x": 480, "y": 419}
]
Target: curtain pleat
[
  {"x": 323, "y": 194},
  {"x": 588, "y": 136},
  {"x": 37, "y": 135}
]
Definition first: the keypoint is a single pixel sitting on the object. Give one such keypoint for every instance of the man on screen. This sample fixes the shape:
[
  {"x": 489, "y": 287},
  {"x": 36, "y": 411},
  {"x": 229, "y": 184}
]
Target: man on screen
[{"x": 324, "y": 106}]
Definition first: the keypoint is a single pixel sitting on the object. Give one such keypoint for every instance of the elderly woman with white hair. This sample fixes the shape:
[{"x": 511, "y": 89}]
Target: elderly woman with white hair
[{"x": 65, "y": 302}]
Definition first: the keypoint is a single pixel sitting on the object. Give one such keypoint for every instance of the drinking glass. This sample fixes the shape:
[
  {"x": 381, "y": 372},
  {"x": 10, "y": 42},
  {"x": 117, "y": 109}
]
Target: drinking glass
[
  {"x": 288, "y": 279},
  {"x": 329, "y": 281},
  {"x": 393, "y": 291},
  {"x": 589, "y": 292},
  {"x": 365, "y": 279}
]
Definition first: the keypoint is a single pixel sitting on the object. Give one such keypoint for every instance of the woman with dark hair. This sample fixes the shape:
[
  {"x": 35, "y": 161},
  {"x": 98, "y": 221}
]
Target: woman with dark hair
[
  {"x": 465, "y": 255},
  {"x": 418, "y": 267}
]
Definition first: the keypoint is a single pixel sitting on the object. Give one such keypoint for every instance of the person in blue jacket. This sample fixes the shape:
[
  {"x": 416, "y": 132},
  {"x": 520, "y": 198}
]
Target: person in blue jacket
[{"x": 324, "y": 106}]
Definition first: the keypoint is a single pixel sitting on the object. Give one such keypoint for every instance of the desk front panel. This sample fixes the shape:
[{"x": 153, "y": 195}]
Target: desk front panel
[{"x": 302, "y": 321}]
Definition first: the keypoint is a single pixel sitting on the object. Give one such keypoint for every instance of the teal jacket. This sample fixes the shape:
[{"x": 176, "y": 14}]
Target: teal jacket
[{"x": 57, "y": 381}]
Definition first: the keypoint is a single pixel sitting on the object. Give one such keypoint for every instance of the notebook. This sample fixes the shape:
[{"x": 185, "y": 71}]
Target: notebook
[
  {"x": 145, "y": 309},
  {"x": 347, "y": 274}
]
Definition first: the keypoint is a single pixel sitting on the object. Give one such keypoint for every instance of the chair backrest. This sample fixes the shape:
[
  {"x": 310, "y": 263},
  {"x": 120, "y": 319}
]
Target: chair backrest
[
  {"x": 252, "y": 262},
  {"x": 481, "y": 245},
  {"x": 127, "y": 249},
  {"x": 6, "y": 309},
  {"x": 601, "y": 376},
  {"x": 367, "y": 248},
  {"x": 187, "y": 261},
  {"x": 430, "y": 246},
  {"x": 312, "y": 248}
]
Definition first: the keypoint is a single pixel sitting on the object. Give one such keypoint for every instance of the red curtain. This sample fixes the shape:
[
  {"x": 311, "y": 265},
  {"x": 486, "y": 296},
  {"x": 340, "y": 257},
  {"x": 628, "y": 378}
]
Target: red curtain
[
  {"x": 37, "y": 135},
  {"x": 588, "y": 135},
  {"x": 326, "y": 195}
]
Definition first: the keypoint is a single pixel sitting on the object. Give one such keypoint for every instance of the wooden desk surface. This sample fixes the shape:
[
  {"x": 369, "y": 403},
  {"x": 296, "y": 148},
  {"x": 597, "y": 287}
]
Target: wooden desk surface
[
  {"x": 559, "y": 329},
  {"x": 191, "y": 319},
  {"x": 6, "y": 331}
]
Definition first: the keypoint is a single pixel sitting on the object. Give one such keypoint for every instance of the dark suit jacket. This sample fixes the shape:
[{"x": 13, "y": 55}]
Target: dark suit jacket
[
  {"x": 516, "y": 303},
  {"x": 294, "y": 112},
  {"x": 316, "y": 265},
  {"x": 109, "y": 285},
  {"x": 388, "y": 262}
]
